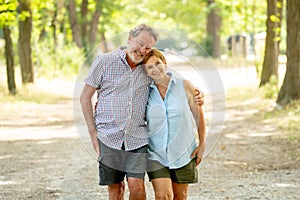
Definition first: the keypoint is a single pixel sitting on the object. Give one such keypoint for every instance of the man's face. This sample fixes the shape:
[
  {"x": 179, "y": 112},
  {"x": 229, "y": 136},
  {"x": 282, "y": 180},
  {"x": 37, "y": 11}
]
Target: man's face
[{"x": 139, "y": 46}]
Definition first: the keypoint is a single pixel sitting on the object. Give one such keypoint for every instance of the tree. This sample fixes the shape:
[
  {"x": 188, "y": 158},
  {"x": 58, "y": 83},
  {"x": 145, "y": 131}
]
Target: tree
[
  {"x": 85, "y": 31},
  {"x": 75, "y": 26},
  {"x": 94, "y": 24},
  {"x": 270, "y": 64},
  {"x": 290, "y": 91},
  {"x": 8, "y": 16},
  {"x": 24, "y": 45},
  {"x": 9, "y": 60},
  {"x": 213, "y": 29}
]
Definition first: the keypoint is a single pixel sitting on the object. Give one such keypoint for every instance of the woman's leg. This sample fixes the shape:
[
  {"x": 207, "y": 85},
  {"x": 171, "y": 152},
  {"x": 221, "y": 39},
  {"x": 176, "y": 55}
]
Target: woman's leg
[
  {"x": 180, "y": 191},
  {"x": 162, "y": 188}
]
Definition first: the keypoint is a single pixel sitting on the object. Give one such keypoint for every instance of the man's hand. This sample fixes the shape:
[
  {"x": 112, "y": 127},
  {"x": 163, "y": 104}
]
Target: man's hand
[
  {"x": 199, "y": 97},
  {"x": 95, "y": 142}
]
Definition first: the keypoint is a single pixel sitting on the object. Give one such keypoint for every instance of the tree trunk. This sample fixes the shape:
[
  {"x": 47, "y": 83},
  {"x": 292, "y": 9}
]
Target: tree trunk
[
  {"x": 24, "y": 45},
  {"x": 291, "y": 84},
  {"x": 76, "y": 33},
  {"x": 270, "y": 64},
  {"x": 104, "y": 43},
  {"x": 94, "y": 24},
  {"x": 279, "y": 24},
  {"x": 84, "y": 25},
  {"x": 213, "y": 30},
  {"x": 54, "y": 33},
  {"x": 9, "y": 56}
]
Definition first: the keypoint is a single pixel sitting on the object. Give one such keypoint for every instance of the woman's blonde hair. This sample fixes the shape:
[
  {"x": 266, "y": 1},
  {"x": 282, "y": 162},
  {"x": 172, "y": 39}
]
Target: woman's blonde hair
[{"x": 157, "y": 53}]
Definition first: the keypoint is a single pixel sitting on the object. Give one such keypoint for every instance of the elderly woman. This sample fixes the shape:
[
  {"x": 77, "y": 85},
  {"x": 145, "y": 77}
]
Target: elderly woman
[{"x": 172, "y": 117}]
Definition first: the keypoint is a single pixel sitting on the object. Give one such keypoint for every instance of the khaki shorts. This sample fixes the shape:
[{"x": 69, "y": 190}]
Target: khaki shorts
[{"x": 184, "y": 175}]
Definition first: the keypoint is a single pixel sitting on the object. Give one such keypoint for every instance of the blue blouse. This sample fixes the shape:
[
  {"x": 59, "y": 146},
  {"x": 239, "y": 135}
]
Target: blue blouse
[{"x": 171, "y": 125}]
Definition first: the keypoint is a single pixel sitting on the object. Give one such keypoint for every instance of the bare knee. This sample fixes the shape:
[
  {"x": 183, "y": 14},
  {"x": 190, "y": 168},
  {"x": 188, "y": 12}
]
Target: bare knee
[
  {"x": 136, "y": 188},
  {"x": 163, "y": 195},
  {"x": 116, "y": 191},
  {"x": 180, "y": 195}
]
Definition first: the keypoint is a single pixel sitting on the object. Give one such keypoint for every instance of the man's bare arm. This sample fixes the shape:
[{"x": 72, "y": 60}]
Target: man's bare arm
[{"x": 87, "y": 109}]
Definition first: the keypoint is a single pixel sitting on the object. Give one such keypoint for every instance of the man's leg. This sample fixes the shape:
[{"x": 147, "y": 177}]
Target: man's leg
[
  {"x": 136, "y": 168},
  {"x": 116, "y": 191},
  {"x": 109, "y": 174},
  {"x": 136, "y": 188}
]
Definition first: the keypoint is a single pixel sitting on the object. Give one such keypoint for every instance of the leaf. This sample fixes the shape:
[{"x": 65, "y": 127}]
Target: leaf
[
  {"x": 23, "y": 15},
  {"x": 274, "y": 18}
]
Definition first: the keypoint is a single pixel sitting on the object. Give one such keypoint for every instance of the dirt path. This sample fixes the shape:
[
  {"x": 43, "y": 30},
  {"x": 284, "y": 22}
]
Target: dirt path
[{"x": 42, "y": 157}]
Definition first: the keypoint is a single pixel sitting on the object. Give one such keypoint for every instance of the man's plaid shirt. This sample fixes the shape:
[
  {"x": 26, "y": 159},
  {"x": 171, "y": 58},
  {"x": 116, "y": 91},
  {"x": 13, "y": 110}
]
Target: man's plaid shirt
[{"x": 122, "y": 95}]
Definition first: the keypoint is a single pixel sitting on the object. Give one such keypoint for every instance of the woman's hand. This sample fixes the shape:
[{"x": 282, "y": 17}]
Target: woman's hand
[
  {"x": 198, "y": 154},
  {"x": 199, "y": 97}
]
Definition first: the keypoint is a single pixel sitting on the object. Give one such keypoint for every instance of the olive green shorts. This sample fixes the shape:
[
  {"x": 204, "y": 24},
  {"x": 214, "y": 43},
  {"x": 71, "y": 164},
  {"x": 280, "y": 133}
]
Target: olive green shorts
[{"x": 184, "y": 175}]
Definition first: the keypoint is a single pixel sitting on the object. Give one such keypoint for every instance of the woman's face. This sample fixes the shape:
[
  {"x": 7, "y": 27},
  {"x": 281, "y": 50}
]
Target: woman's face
[{"x": 155, "y": 68}]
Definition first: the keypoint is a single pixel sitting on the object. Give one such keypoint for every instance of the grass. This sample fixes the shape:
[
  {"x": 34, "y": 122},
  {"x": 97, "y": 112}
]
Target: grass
[
  {"x": 30, "y": 93},
  {"x": 286, "y": 120}
]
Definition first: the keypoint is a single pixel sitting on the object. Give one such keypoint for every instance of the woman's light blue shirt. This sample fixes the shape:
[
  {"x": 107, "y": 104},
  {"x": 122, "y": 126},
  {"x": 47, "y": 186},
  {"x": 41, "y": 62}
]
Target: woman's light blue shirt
[{"x": 171, "y": 125}]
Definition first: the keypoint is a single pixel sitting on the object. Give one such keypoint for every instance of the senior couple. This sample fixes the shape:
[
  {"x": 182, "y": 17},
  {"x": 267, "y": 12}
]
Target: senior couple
[{"x": 144, "y": 120}]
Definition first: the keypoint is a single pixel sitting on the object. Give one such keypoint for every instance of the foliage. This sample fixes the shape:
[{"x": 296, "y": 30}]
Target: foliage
[
  {"x": 8, "y": 12},
  {"x": 52, "y": 36},
  {"x": 247, "y": 16},
  {"x": 66, "y": 60}
]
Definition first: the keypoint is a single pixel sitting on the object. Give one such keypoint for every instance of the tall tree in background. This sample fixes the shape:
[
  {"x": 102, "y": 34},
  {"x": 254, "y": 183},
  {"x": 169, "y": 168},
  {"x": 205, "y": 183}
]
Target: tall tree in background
[
  {"x": 75, "y": 26},
  {"x": 8, "y": 16},
  {"x": 84, "y": 22},
  {"x": 94, "y": 25},
  {"x": 9, "y": 56},
  {"x": 84, "y": 31},
  {"x": 24, "y": 46},
  {"x": 270, "y": 64},
  {"x": 214, "y": 28},
  {"x": 290, "y": 89}
]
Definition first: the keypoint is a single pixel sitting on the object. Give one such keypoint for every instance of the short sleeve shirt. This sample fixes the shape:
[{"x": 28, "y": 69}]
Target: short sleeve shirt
[{"x": 122, "y": 95}]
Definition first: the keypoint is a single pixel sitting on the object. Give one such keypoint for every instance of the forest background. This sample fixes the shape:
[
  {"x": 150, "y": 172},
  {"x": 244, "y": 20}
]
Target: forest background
[{"x": 44, "y": 37}]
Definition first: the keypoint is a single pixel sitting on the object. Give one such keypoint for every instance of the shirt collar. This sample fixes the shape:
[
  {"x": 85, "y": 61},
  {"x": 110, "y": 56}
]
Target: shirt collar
[{"x": 121, "y": 52}]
